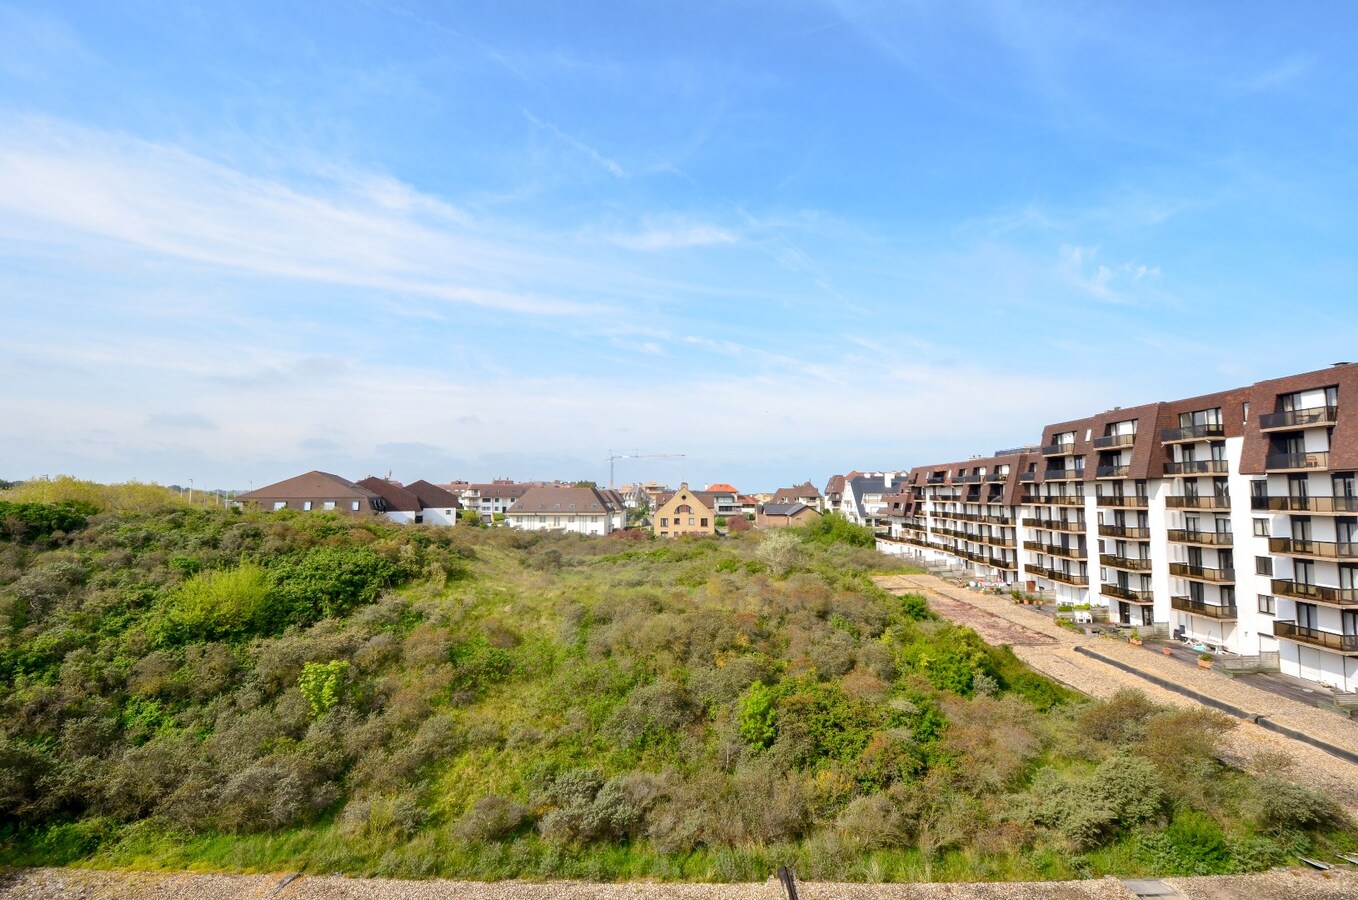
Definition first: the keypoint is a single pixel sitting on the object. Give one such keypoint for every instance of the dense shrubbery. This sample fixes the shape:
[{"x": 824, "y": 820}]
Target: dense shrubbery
[{"x": 186, "y": 685}]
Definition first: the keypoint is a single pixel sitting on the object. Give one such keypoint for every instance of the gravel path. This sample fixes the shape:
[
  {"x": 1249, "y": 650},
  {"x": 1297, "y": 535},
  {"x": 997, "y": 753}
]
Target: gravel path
[
  {"x": 1313, "y": 768},
  {"x": 83, "y": 884}
]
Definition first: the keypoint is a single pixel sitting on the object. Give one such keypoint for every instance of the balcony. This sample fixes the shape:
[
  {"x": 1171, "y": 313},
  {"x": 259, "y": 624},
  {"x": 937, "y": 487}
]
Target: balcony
[
  {"x": 1027, "y": 476},
  {"x": 1344, "y": 551},
  {"x": 995, "y": 541},
  {"x": 1315, "y": 593},
  {"x": 1297, "y": 462},
  {"x": 1125, "y": 531},
  {"x": 1202, "y": 538},
  {"x": 934, "y": 479},
  {"x": 1198, "y": 608},
  {"x": 1129, "y": 563},
  {"x": 1199, "y": 467},
  {"x": 1058, "y": 449},
  {"x": 1058, "y": 501},
  {"x": 1341, "y": 505},
  {"x": 1063, "y": 475},
  {"x": 1113, "y": 441},
  {"x": 966, "y": 479},
  {"x": 1202, "y": 573},
  {"x": 1123, "y": 501},
  {"x": 1210, "y": 502},
  {"x": 1328, "y": 640},
  {"x": 1130, "y": 595},
  {"x": 1075, "y": 527},
  {"x": 1192, "y": 433},
  {"x": 1058, "y": 575},
  {"x": 1315, "y": 417},
  {"x": 999, "y": 563},
  {"x": 995, "y": 477},
  {"x": 1066, "y": 552},
  {"x": 1112, "y": 472}
]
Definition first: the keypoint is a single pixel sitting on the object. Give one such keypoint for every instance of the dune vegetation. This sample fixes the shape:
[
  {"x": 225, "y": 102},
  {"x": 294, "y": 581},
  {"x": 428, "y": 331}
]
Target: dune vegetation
[{"x": 189, "y": 687}]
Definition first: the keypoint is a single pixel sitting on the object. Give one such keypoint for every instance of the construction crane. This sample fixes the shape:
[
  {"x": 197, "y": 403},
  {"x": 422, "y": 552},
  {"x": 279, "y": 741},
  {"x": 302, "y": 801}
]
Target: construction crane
[{"x": 613, "y": 457}]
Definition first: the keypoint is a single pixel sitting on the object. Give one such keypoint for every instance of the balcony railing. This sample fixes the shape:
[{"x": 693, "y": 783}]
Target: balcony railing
[
  {"x": 1129, "y": 532},
  {"x": 1063, "y": 474},
  {"x": 1206, "y": 502},
  {"x": 1341, "y": 550},
  {"x": 1202, "y": 573},
  {"x": 1340, "y": 643},
  {"x": 994, "y": 477},
  {"x": 1112, "y": 471},
  {"x": 997, "y": 541},
  {"x": 966, "y": 479},
  {"x": 1058, "y": 449},
  {"x": 1027, "y": 476},
  {"x": 1305, "y": 504},
  {"x": 1000, "y": 563},
  {"x": 1131, "y": 595},
  {"x": 1058, "y": 575},
  {"x": 1108, "y": 442},
  {"x": 1297, "y": 462},
  {"x": 1123, "y": 501},
  {"x": 1066, "y": 552},
  {"x": 1197, "y": 607},
  {"x": 1131, "y": 564},
  {"x": 1192, "y": 433},
  {"x": 1315, "y": 593},
  {"x": 1057, "y": 501},
  {"x": 1205, "y": 538},
  {"x": 934, "y": 479},
  {"x": 1076, "y": 527},
  {"x": 1299, "y": 418},
  {"x": 1198, "y": 467}
]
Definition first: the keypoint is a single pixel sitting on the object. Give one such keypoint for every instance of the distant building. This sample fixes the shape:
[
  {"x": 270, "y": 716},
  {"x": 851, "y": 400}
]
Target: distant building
[
  {"x": 684, "y": 513},
  {"x": 803, "y": 493},
  {"x": 316, "y": 491},
  {"x": 784, "y": 515},
  {"x": 418, "y": 502},
  {"x": 580, "y": 510},
  {"x": 438, "y": 506}
]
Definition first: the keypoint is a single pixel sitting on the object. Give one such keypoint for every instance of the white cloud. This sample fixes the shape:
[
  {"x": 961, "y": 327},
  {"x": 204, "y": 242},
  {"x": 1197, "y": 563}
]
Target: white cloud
[
  {"x": 678, "y": 237},
  {"x": 610, "y": 166},
  {"x": 69, "y": 185}
]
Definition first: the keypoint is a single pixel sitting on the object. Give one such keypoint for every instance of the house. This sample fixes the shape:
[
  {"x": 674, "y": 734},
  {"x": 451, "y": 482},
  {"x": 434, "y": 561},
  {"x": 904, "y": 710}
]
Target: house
[
  {"x": 401, "y": 505},
  {"x": 803, "y": 493},
  {"x": 684, "y": 513},
  {"x": 316, "y": 491},
  {"x": 580, "y": 510},
  {"x": 784, "y": 515},
  {"x": 864, "y": 498},
  {"x": 489, "y": 499},
  {"x": 438, "y": 506}
]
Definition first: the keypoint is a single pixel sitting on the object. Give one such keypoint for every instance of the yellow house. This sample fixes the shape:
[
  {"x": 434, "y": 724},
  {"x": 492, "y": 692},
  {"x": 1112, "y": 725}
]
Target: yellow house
[{"x": 683, "y": 513}]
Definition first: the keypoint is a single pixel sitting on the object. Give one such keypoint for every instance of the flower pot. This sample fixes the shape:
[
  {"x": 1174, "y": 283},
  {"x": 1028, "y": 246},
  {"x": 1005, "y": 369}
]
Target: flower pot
[
  {"x": 1204, "y": 664},
  {"x": 1135, "y": 642},
  {"x": 1166, "y": 651}
]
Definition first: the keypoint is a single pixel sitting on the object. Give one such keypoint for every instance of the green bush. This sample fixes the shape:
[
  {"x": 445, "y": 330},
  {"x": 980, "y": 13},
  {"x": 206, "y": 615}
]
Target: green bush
[
  {"x": 217, "y": 604},
  {"x": 832, "y": 528},
  {"x": 30, "y": 522},
  {"x": 322, "y": 684},
  {"x": 327, "y": 582}
]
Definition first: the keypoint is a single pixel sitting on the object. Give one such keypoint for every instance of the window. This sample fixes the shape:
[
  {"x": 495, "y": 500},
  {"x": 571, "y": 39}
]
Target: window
[
  {"x": 354, "y": 506},
  {"x": 704, "y": 523},
  {"x": 306, "y": 505},
  {"x": 280, "y": 504},
  {"x": 690, "y": 520},
  {"x": 1263, "y": 565},
  {"x": 1267, "y": 605},
  {"x": 329, "y": 504},
  {"x": 664, "y": 522},
  {"x": 1261, "y": 528}
]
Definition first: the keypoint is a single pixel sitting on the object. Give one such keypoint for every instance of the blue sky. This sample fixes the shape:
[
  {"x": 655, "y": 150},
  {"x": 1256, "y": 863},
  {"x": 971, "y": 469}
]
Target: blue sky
[{"x": 786, "y": 239}]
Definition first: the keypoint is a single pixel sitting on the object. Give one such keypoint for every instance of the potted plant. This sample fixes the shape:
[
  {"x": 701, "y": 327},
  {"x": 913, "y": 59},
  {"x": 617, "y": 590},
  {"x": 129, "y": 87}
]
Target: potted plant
[
  {"x": 1204, "y": 660},
  {"x": 1166, "y": 651},
  {"x": 1135, "y": 638}
]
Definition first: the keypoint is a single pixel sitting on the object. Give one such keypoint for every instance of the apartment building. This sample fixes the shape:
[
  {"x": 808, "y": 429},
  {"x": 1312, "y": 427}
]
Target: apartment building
[{"x": 1229, "y": 518}]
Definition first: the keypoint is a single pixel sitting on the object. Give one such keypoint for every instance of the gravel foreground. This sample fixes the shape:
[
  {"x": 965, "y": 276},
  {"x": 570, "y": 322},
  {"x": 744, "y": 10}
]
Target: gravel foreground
[{"x": 87, "y": 884}]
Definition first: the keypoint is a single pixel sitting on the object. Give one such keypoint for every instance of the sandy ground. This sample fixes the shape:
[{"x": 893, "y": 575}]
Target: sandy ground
[{"x": 48, "y": 884}]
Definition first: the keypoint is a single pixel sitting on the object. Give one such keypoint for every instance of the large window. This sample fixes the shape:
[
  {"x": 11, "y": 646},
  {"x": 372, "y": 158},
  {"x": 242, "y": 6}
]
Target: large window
[{"x": 1267, "y": 604}]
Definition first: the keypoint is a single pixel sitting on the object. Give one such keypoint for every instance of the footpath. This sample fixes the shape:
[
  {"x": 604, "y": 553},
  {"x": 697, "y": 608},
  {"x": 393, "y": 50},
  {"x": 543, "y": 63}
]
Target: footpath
[
  {"x": 1100, "y": 667},
  {"x": 48, "y": 884}
]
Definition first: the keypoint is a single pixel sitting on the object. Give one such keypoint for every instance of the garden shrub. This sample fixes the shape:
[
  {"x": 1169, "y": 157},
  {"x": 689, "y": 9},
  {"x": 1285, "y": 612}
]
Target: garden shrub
[{"x": 322, "y": 684}]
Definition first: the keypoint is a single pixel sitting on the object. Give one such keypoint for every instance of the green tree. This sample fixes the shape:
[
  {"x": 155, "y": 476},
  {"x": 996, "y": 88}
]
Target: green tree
[{"x": 322, "y": 684}]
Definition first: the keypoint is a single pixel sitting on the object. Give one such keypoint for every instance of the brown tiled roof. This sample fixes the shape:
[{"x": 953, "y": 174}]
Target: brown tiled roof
[
  {"x": 398, "y": 498},
  {"x": 504, "y": 489},
  {"x": 793, "y": 494},
  {"x": 431, "y": 495},
  {"x": 1263, "y": 400},
  {"x": 558, "y": 499},
  {"x": 721, "y": 487},
  {"x": 314, "y": 485}
]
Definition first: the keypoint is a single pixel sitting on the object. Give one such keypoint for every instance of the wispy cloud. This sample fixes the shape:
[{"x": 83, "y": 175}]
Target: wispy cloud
[
  {"x": 1081, "y": 268},
  {"x": 610, "y": 166},
  {"x": 677, "y": 237},
  {"x": 64, "y": 184}
]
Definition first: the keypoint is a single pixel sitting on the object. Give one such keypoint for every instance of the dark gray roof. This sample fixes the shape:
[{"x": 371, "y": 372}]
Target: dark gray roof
[
  {"x": 866, "y": 484},
  {"x": 784, "y": 509}
]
